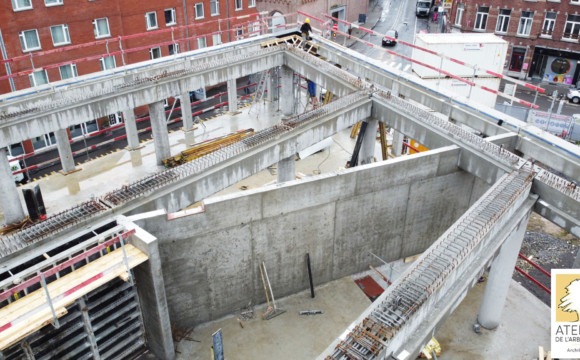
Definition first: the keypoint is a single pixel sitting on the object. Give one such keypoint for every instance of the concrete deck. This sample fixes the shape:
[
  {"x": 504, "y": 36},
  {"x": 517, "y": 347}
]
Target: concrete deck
[{"x": 291, "y": 336}]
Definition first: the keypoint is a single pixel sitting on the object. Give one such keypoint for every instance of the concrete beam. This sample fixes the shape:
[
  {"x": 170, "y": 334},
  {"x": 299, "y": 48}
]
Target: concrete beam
[
  {"x": 109, "y": 94},
  {"x": 187, "y": 191},
  {"x": 538, "y": 144}
]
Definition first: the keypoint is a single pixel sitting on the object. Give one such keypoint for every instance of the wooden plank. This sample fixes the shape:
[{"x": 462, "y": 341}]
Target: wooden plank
[{"x": 27, "y": 315}]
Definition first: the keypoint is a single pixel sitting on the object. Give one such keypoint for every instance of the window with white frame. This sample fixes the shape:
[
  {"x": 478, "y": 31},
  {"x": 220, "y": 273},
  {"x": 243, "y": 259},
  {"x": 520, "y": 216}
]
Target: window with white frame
[
  {"x": 549, "y": 21},
  {"x": 214, "y": 6},
  {"x": 572, "y": 27},
  {"x": 170, "y": 17},
  {"x": 481, "y": 17},
  {"x": 68, "y": 71},
  {"x": 201, "y": 43},
  {"x": 21, "y": 4},
  {"x": 155, "y": 52},
  {"x": 199, "y": 11},
  {"x": 108, "y": 63},
  {"x": 173, "y": 49},
  {"x": 503, "y": 21},
  {"x": 60, "y": 35},
  {"x": 53, "y": 2},
  {"x": 459, "y": 14},
  {"x": 101, "y": 28},
  {"x": 29, "y": 40},
  {"x": 38, "y": 78},
  {"x": 252, "y": 3},
  {"x": 240, "y": 33},
  {"x": 239, "y": 5},
  {"x": 216, "y": 39},
  {"x": 151, "y": 20},
  {"x": 575, "y": 2},
  {"x": 525, "y": 26}
]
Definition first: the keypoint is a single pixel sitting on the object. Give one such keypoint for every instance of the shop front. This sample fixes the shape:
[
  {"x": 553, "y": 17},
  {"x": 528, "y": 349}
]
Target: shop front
[{"x": 555, "y": 66}]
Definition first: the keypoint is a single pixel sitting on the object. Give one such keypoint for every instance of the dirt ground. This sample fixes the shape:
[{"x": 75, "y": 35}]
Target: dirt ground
[{"x": 550, "y": 247}]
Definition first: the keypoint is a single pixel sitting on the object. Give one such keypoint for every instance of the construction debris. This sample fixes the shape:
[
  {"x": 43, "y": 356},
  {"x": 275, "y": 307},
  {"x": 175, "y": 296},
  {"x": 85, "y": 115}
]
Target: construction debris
[
  {"x": 431, "y": 350},
  {"x": 180, "y": 334},
  {"x": 311, "y": 312}
]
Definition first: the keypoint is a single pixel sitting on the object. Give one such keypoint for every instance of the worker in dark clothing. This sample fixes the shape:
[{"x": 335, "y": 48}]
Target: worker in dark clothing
[{"x": 305, "y": 29}]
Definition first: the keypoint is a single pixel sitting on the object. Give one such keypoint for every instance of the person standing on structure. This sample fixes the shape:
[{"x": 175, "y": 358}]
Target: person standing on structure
[{"x": 305, "y": 29}]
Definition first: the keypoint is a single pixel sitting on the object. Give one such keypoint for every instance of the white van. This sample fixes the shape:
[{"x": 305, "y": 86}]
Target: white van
[{"x": 16, "y": 165}]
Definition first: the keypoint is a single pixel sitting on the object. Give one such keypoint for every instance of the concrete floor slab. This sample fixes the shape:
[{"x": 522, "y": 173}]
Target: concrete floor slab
[{"x": 287, "y": 336}]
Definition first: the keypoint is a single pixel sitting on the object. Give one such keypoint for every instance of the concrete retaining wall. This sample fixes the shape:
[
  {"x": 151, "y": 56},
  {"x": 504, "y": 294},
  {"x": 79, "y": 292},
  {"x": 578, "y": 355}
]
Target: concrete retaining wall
[{"x": 395, "y": 209}]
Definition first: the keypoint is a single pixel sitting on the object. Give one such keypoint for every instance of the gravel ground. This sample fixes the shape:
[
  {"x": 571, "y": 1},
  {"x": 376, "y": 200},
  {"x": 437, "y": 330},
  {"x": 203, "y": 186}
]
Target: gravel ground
[{"x": 548, "y": 246}]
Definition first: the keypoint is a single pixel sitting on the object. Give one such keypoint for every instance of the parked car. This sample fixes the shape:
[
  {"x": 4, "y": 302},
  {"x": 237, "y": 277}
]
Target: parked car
[
  {"x": 390, "y": 34},
  {"x": 574, "y": 95}
]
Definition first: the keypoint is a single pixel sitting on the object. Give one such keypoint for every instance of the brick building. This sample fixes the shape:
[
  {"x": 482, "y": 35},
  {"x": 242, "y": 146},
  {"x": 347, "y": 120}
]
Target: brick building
[
  {"x": 348, "y": 10},
  {"x": 543, "y": 35},
  {"x": 44, "y": 36}
]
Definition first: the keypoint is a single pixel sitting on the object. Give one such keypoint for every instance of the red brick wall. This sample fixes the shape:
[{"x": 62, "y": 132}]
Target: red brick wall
[{"x": 126, "y": 17}]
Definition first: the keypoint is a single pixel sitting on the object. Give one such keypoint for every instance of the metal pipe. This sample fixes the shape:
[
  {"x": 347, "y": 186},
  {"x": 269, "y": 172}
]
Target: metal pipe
[
  {"x": 533, "y": 280},
  {"x": 310, "y": 275},
  {"x": 269, "y": 286}
]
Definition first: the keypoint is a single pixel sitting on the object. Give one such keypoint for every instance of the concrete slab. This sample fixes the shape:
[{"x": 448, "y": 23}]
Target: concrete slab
[{"x": 287, "y": 336}]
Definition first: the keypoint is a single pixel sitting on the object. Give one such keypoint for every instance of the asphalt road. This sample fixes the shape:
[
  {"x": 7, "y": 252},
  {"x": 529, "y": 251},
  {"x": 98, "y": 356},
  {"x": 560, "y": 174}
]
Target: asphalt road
[{"x": 398, "y": 15}]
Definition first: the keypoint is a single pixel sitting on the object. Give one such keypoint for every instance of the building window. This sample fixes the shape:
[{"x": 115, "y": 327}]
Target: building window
[
  {"x": 549, "y": 22},
  {"x": 199, "y": 11},
  {"x": 101, "y": 28},
  {"x": 252, "y": 3},
  {"x": 108, "y": 63},
  {"x": 18, "y": 5},
  {"x": 68, "y": 71},
  {"x": 151, "y": 20},
  {"x": 572, "y": 27},
  {"x": 481, "y": 17},
  {"x": 240, "y": 33},
  {"x": 38, "y": 78},
  {"x": 201, "y": 43},
  {"x": 239, "y": 5},
  {"x": 216, "y": 39},
  {"x": 173, "y": 49},
  {"x": 503, "y": 21},
  {"x": 60, "y": 35},
  {"x": 52, "y": 2},
  {"x": 170, "y": 17},
  {"x": 155, "y": 52},
  {"x": 29, "y": 40},
  {"x": 459, "y": 14},
  {"x": 214, "y": 6},
  {"x": 525, "y": 26}
]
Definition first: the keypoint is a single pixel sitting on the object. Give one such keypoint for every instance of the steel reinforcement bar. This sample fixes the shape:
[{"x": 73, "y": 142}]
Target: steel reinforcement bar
[{"x": 444, "y": 260}]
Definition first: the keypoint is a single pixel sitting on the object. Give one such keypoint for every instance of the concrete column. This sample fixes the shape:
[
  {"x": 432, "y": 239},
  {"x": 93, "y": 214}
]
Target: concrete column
[
  {"x": 131, "y": 129},
  {"x": 286, "y": 169},
  {"x": 286, "y": 94},
  {"x": 153, "y": 300},
  {"x": 232, "y": 96},
  {"x": 186, "y": 112},
  {"x": 500, "y": 277},
  {"x": 159, "y": 128},
  {"x": 367, "y": 150},
  {"x": 187, "y": 117},
  {"x": 9, "y": 200},
  {"x": 64, "y": 151},
  {"x": 397, "y": 148}
]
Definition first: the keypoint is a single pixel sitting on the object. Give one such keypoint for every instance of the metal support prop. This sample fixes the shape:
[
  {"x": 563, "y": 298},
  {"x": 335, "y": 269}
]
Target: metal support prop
[
  {"x": 310, "y": 275},
  {"x": 89, "y": 328},
  {"x": 56, "y": 324},
  {"x": 126, "y": 261},
  {"x": 171, "y": 111}
]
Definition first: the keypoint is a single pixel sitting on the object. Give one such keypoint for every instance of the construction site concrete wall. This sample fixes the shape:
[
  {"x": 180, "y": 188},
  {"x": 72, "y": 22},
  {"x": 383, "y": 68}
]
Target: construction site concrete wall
[{"x": 211, "y": 256}]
